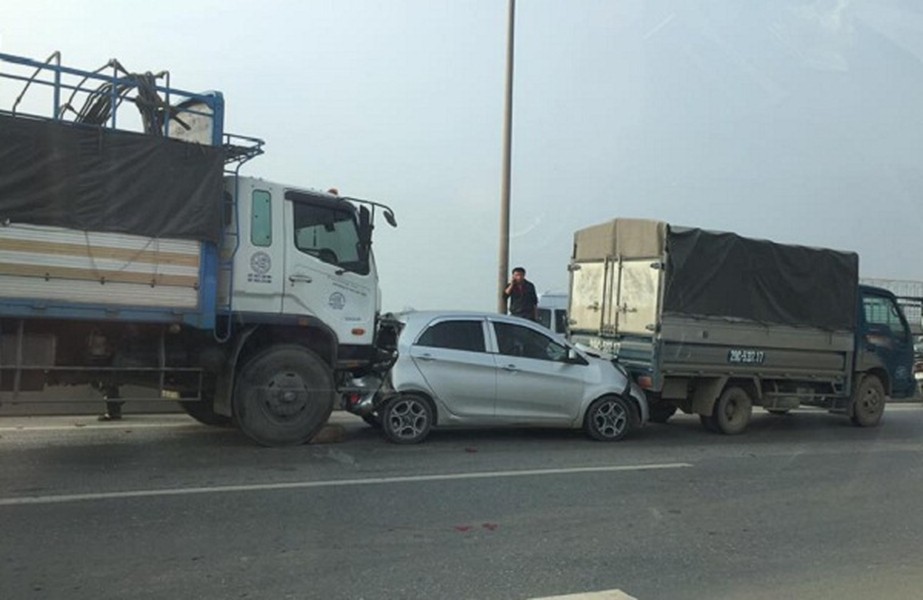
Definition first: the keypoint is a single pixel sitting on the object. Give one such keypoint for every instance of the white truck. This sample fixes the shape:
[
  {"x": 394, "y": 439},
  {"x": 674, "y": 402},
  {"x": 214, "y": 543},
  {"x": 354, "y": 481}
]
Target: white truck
[{"x": 143, "y": 258}]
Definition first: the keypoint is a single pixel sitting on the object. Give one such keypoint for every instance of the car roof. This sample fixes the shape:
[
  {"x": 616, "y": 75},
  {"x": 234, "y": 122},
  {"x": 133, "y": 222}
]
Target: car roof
[{"x": 418, "y": 319}]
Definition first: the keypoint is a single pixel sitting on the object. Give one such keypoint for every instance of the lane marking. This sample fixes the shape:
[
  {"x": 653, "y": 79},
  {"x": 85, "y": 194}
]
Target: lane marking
[
  {"x": 602, "y": 595},
  {"x": 294, "y": 485},
  {"x": 111, "y": 426}
]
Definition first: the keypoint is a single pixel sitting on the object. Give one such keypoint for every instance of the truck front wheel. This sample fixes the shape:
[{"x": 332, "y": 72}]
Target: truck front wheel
[
  {"x": 868, "y": 402},
  {"x": 732, "y": 411},
  {"x": 283, "y": 396}
]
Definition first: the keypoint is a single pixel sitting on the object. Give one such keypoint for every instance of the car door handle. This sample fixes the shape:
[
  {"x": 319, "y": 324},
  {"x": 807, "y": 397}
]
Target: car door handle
[
  {"x": 299, "y": 279},
  {"x": 427, "y": 357},
  {"x": 510, "y": 368}
]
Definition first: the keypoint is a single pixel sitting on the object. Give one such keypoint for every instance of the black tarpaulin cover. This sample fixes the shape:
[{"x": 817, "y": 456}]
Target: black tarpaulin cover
[
  {"x": 726, "y": 275},
  {"x": 93, "y": 179}
]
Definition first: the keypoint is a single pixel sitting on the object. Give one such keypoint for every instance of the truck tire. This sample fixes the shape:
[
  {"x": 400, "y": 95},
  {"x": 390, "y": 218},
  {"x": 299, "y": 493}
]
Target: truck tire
[
  {"x": 732, "y": 411},
  {"x": 283, "y": 396},
  {"x": 868, "y": 402},
  {"x": 609, "y": 419},
  {"x": 203, "y": 411},
  {"x": 661, "y": 412}
]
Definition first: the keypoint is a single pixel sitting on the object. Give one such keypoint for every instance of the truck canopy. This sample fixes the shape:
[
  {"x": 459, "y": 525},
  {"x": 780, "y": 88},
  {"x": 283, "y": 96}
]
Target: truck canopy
[
  {"x": 90, "y": 178},
  {"x": 716, "y": 274}
]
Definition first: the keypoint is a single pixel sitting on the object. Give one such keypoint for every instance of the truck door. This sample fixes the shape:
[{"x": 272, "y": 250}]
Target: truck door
[
  {"x": 258, "y": 262},
  {"x": 327, "y": 274},
  {"x": 637, "y": 304},
  {"x": 587, "y": 295},
  {"x": 887, "y": 338}
]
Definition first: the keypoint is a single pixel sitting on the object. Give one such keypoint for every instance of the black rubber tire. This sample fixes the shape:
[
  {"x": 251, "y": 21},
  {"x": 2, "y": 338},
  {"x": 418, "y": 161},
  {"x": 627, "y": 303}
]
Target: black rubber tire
[
  {"x": 868, "y": 403},
  {"x": 407, "y": 419},
  {"x": 661, "y": 412},
  {"x": 778, "y": 411},
  {"x": 283, "y": 396},
  {"x": 203, "y": 411},
  {"x": 732, "y": 411},
  {"x": 609, "y": 419}
]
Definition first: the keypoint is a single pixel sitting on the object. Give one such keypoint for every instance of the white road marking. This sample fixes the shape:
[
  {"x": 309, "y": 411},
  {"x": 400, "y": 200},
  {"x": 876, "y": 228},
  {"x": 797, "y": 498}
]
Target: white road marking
[
  {"x": 603, "y": 595},
  {"x": 294, "y": 485},
  {"x": 111, "y": 426},
  {"x": 899, "y": 407}
]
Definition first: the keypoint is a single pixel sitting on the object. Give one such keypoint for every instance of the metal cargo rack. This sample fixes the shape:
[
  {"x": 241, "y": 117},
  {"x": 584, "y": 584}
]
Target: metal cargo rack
[{"x": 50, "y": 90}]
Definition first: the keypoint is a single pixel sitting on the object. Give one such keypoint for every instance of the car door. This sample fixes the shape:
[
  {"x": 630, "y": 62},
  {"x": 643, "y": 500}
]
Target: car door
[
  {"x": 451, "y": 354},
  {"x": 536, "y": 383}
]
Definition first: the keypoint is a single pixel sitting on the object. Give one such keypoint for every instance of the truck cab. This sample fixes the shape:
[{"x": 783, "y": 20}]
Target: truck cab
[
  {"x": 301, "y": 257},
  {"x": 884, "y": 344}
]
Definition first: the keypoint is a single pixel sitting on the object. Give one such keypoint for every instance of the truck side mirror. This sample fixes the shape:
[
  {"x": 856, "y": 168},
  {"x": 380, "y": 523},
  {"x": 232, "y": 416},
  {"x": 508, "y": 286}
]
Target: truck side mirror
[{"x": 389, "y": 217}]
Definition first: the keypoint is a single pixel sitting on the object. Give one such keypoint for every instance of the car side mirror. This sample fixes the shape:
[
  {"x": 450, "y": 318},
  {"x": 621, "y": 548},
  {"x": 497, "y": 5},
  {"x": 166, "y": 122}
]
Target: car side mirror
[{"x": 573, "y": 357}]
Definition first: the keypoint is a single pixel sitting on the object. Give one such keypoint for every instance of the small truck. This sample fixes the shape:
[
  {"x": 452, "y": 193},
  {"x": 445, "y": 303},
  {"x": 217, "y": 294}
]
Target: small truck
[{"x": 714, "y": 323}]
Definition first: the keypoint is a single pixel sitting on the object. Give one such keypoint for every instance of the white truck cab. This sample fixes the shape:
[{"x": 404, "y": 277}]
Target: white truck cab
[{"x": 300, "y": 254}]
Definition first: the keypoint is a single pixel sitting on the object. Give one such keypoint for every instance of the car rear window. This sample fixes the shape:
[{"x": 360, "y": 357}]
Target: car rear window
[{"x": 455, "y": 335}]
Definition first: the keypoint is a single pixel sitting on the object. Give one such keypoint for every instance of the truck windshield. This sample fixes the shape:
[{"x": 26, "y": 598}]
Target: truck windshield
[{"x": 329, "y": 234}]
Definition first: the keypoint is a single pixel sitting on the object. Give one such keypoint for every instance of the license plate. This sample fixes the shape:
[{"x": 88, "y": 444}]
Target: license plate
[{"x": 746, "y": 357}]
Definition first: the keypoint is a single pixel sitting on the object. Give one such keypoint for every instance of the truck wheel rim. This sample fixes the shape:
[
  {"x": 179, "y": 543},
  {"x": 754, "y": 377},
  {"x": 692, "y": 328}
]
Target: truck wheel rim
[
  {"x": 871, "y": 402},
  {"x": 610, "y": 418},
  {"x": 286, "y": 396},
  {"x": 731, "y": 410},
  {"x": 408, "y": 419}
]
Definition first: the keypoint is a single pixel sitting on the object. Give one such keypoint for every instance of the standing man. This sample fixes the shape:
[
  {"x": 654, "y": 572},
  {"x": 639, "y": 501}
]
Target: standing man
[{"x": 523, "y": 301}]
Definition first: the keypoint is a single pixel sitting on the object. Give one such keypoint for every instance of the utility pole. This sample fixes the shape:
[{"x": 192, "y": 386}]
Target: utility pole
[{"x": 504, "y": 267}]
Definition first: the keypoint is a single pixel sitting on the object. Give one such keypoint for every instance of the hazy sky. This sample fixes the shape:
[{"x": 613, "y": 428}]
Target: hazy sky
[{"x": 797, "y": 121}]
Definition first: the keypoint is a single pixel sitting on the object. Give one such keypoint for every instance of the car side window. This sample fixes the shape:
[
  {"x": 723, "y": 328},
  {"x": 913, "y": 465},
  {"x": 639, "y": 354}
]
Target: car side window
[
  {"x": 884, "y": 313},
  {"x": 515, "y": 340},
  {"x": 454, "y": 335}
]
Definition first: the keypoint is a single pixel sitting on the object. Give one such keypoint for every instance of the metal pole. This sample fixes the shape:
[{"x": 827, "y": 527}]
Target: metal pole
[{"x": 504, "y": 266}]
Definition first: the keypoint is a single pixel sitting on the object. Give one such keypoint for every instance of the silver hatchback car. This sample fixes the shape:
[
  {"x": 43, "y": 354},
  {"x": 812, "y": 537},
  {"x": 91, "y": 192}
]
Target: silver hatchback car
[{"x": 484, "y": 369}]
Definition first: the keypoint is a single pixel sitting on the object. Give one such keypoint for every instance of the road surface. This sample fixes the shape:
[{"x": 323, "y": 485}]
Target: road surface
[{"x": 801, "y": 506}]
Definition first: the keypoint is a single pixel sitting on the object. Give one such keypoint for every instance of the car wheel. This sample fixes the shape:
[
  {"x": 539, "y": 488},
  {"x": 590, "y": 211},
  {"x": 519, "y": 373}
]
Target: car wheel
[
  {"x": 661, "y": 412},
  {"x": 732, "y": 411},
  {"x": 407, "y": 419},
  {"x": 868, "y": 404},
  {"x": 608, "y": 419}
]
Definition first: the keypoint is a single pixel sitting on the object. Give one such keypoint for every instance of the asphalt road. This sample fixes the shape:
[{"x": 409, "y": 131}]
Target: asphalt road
[{"x": 802, "y": 506}]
